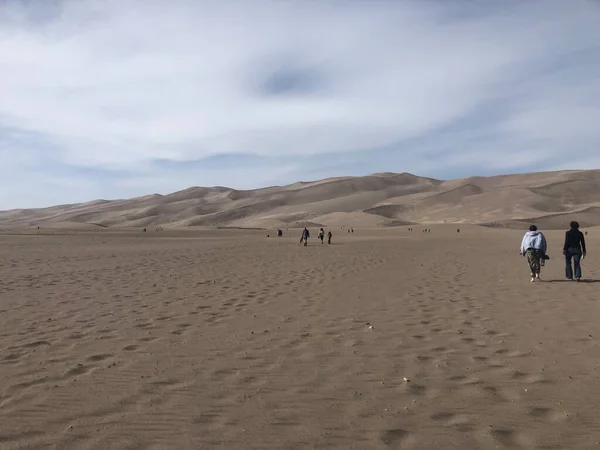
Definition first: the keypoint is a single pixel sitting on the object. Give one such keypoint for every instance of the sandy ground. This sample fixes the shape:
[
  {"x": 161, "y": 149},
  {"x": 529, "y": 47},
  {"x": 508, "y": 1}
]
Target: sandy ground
[{"x": 229, "y": 340}]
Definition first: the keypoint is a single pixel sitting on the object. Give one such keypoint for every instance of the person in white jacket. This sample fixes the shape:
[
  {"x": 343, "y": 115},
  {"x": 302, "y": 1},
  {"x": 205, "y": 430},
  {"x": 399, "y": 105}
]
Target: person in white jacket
[{"x": 534, "y": 248}]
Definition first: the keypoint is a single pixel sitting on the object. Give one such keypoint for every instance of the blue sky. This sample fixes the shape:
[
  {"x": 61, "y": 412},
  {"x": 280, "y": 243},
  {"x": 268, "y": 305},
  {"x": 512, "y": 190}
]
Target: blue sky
[{"x": 113, "y": 98}]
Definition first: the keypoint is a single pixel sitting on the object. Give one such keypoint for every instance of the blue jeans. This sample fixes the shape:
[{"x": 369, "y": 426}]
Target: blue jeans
[{"x": 576, "y": 257}]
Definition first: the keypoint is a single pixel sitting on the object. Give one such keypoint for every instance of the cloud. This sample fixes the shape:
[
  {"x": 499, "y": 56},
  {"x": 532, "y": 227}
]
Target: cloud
[{"x": 105, "y": 98}]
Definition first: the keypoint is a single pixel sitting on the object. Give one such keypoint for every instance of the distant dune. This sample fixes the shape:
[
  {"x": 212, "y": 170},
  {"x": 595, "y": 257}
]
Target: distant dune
[{"x": 550, "y": 199}]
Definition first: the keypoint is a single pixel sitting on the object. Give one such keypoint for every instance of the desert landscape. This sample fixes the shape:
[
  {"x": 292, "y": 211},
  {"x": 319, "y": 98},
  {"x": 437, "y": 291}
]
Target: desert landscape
[
  {"x": 381, "y": 200},
  {"x": 161, "y": 163},
  {"x": 200, "y": 337}
]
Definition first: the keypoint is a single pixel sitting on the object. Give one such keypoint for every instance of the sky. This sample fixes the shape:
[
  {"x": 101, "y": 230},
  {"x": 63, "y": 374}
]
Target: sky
[{"x": 120, "y": 98}]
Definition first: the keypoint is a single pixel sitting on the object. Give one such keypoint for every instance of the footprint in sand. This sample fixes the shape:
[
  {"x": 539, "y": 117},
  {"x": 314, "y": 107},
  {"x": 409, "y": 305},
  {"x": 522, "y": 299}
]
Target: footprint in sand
[
  {"x": 441, "y": 416},
  {"x": 163, "y": 318},
  {"x": 36, "y": 344},
  {"x": 509, "y": 438},
  {"x": 394, "y": 437},
  {"x": 439, "y": 349},
  {"x": 101, "y": 357},
  {"x": 79, "y": 370},
  {"x": 13, "y": 357},
  {"x": 548, "y": 414}
]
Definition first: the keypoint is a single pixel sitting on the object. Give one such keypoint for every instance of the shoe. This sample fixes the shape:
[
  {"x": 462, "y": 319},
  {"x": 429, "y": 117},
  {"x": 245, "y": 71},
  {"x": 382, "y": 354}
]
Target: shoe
[
  {"x": 537, "y": 275},
  {"x": 578, "y": 279},
  {"x": 532, "y": 279}
]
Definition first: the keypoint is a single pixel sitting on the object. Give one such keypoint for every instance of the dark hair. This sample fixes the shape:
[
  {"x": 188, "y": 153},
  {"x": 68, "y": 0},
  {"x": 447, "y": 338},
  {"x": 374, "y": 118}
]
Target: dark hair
[
  {"x": 532, "y": 228},
  {"x": 574, "y": 225}
]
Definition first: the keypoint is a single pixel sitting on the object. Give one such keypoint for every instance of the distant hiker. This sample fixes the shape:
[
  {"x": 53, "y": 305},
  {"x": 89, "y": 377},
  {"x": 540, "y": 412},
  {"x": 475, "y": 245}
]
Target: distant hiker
[
  {"x": 329, "y": 236},
  {"x": 144, "y": 230},
  {"x": 574, "y": 248},
  {"x": 534, "y": 247},
  {"x": 458, "y": 230},
  {"x": 352, "y": 229},
  {"x": 348, "y": 230},
  {"x": 279, "y": 233},
  {"x": 321, "y": 235},
  {"x": 305, "y": 236}
]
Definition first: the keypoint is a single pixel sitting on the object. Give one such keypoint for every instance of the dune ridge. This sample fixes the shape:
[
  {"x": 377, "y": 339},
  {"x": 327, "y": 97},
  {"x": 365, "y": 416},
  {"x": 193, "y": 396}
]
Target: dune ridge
[{"x": 384, "y": 199}]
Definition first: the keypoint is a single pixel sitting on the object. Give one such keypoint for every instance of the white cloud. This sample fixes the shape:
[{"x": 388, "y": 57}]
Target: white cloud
[{"x": 116, "y": 83}]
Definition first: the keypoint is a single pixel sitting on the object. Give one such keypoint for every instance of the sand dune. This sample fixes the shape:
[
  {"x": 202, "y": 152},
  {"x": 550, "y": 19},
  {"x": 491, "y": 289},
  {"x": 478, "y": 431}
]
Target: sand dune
[
  {"x": 385, "y": 199},
  {"x": 224, "y": 339}
]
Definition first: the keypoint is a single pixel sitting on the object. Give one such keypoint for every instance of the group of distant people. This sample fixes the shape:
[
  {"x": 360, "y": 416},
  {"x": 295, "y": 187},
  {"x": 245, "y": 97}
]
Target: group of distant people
[
  {"x": 534, "y": 247},
  {"x": 321, "y": 236},
  {"x": 425, "y": 230},
  {"x": 157, "y": 229}
]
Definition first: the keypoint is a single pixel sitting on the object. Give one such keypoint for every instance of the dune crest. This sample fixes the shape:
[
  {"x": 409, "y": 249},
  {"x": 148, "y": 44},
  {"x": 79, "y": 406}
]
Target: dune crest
[{"x": 383, "y": 199}]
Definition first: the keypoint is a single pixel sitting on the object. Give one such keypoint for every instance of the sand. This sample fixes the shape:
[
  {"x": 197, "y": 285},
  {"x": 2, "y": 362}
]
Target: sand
[
  {"x": 550, "y": 199},
  {"x": 386, "y": 339}
]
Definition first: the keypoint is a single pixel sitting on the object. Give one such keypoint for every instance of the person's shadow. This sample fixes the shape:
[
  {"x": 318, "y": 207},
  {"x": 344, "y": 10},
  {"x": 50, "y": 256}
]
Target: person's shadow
[{"x": 575, "y": 282}]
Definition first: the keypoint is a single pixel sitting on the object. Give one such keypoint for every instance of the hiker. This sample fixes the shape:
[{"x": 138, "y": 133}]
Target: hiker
[
  {"x": 305, "y": 236},
  {"x": 574, "y": 249},
  {"x": 321, "y": 235},
  {"x": 329, "y": 236},
  {"x": 534, "y": 247}
]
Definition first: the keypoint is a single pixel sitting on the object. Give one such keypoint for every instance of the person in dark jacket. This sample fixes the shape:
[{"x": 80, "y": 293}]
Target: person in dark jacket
[{"x": 574, "y": 249}]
